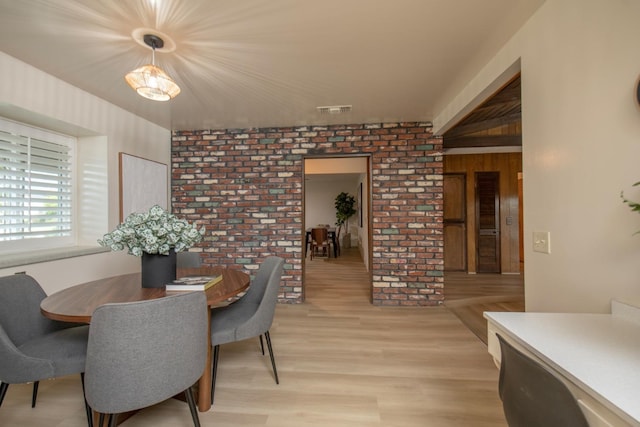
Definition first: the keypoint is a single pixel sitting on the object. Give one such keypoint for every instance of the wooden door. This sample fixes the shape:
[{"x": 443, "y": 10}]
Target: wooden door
[
  {"x": 488, "y": 222},
  {"x": 455, "y": 248}
]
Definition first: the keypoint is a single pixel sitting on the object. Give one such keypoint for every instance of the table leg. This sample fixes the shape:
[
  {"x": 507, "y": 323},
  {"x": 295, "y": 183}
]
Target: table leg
[{"x": 204, "y": 383}]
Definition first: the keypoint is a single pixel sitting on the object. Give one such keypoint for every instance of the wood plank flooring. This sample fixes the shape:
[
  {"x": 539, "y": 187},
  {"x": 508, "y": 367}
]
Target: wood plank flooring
[
  {"x": 342, "y": 363},
  {"x": 468, "y": 296}
]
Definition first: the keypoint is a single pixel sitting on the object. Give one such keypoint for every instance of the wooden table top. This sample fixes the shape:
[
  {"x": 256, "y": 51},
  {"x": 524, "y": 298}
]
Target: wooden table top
[{"x": 77, "y": 303}]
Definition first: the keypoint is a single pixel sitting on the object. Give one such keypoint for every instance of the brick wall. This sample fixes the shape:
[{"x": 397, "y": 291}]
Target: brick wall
[{"x": 246, "y": 187}]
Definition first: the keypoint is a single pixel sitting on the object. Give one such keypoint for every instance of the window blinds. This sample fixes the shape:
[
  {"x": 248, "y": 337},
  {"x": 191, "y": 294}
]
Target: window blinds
[{"x": 35, "y": 188}]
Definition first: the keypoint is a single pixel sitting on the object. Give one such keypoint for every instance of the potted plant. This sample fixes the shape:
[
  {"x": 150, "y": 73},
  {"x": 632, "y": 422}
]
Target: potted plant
[
  {"x": 633, "y": 205},
  {"x": 155, "y": 236},
  {"x": 345, "y": 209}
]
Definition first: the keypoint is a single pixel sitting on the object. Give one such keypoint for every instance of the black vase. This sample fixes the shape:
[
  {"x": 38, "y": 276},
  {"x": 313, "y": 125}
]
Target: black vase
[{"x": 158, "y": 270}]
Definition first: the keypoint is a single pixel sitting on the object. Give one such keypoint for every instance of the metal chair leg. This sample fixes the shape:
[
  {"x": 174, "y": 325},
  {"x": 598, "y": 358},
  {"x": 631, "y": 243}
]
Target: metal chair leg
[
  {"x": 214, "y": 370},
  {"x": 87, "y": 408},
  {"x": 273, "y": 360},
  {"x": 34, "y": 395},
  {"x": 3, "y": 391},
  {"x": 192, "y": 406},
  {"x": 261, "y": 345}
]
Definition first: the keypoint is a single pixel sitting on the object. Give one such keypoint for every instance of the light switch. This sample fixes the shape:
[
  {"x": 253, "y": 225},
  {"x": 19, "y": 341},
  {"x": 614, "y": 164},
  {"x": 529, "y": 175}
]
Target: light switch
[{"x": 542, "y": 242}]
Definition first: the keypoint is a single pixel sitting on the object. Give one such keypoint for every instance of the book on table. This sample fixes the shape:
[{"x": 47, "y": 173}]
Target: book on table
[{"x": 193, "y": 283}]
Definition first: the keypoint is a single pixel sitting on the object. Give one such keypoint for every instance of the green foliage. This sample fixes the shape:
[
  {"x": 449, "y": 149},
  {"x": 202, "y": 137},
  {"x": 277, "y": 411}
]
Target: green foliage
[
  {"x": 345, "y": 208},
  {"x": 633, "y": 205},
  {"x": 153, "y": 232}
]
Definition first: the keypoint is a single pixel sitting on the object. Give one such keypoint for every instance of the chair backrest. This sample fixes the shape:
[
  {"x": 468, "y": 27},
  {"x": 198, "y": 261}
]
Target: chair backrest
[
  {"x": 533, "y": 395},
  {"x": 270, "y": 270},
  {"x": 261, "y": 299},
  {"x": 187, "y": 259},
  {"x": 319, "y": 235},
  {"x": 142, "y": 353},
  {"x": 20, "y": 317}
]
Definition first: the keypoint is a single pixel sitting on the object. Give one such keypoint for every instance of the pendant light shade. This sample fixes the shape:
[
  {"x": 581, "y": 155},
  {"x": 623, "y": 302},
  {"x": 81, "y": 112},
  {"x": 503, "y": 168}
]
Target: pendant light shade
[{"x": 151, "y": 81}]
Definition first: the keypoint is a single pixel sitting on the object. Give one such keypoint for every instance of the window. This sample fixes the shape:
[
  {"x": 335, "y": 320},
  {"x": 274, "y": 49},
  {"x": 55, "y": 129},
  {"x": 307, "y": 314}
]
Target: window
[{"x": 36, "y": 188}]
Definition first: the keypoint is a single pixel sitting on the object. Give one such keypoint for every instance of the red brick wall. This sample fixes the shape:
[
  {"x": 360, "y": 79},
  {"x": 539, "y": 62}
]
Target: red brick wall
[{"x": 246, "y": 187}]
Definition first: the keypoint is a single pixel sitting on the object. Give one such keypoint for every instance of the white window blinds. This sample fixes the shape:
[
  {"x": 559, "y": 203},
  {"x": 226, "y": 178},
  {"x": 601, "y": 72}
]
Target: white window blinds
[{"x": 36, "y": 187}]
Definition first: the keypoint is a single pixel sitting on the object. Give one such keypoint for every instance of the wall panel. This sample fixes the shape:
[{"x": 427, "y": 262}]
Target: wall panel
[{"x": 508, "y": 164}]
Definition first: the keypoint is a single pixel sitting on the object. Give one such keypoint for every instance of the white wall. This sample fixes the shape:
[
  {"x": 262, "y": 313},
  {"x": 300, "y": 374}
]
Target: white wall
[
  {"x": 581, "y": 146},
  {"x": 104, "y": 131},
  {"x": 320, "y": 197}
]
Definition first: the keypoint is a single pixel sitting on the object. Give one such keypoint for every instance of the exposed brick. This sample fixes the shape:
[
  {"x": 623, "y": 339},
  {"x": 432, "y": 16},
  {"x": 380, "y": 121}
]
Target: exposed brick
[{"x": 245, "y": 187}]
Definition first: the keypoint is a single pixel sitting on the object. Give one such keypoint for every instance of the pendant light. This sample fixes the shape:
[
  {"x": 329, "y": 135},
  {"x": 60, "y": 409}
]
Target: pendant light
[{"x": 151, "y": 81}]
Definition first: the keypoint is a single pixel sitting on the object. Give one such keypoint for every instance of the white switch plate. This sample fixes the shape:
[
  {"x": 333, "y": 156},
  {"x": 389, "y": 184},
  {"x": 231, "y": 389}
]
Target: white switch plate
[{"x": 542, "y": 242}]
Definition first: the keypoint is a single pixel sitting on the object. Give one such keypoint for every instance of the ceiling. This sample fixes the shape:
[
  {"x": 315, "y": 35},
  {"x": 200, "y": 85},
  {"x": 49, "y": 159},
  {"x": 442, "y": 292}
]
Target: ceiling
[
  {"x": 497, "y": 122},
  {"x": 268, "y": 63}
]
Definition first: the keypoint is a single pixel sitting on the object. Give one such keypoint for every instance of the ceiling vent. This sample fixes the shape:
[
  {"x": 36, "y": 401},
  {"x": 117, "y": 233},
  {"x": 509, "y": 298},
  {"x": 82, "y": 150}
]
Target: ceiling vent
[{"x": 334, "y": 109}]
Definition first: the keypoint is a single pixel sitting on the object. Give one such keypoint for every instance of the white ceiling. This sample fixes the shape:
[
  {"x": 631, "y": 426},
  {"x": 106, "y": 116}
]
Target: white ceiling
[{"x": 267, "y": 63}]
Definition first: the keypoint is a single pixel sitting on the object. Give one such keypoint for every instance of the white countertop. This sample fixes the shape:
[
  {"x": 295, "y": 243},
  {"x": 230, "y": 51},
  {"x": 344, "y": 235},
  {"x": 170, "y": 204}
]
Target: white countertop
[{"x": 598, "y": 352}]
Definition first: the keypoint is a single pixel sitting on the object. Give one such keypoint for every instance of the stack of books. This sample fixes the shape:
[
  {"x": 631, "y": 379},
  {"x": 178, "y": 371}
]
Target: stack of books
[{"x": 193, "y": 283}]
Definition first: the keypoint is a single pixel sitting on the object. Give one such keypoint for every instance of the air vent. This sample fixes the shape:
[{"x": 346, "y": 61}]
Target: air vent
[{"x": 334, "y": 109}]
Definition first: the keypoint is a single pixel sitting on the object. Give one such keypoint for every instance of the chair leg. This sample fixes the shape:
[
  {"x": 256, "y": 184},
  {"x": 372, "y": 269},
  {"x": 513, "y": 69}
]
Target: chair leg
[
  {"x": 261, "y": 345},
  {"x": 34, "y": 395},
  {"x": 273, "y": 360},
  {"x": 113, "y": 420},
  {"x": 3, "y": 391},
  {"x": 192, "y": 406},
  {"x": 214, "y": 370},
  {"x": 87, "y": 408}
]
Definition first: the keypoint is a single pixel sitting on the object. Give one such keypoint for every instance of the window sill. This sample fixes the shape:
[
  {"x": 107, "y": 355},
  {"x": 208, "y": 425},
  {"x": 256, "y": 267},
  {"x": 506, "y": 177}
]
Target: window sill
[{"x": 44, "y": 255}]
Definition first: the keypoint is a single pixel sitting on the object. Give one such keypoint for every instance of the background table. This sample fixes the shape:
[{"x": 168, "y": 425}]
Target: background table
[{"x": 77, "y": 303}]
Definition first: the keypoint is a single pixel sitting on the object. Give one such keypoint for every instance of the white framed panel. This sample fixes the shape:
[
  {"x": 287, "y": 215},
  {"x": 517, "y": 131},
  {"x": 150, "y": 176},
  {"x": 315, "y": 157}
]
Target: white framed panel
[{"x": 143, "y": 183}]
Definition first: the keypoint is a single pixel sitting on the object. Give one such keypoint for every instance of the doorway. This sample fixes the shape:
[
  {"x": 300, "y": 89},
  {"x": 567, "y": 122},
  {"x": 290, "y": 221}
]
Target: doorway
[{"x": 324, "y": 179}]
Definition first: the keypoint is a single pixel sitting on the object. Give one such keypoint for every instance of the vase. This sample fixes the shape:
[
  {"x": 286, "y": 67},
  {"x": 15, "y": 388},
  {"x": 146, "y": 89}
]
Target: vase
[{"x": 158, "y": 270}]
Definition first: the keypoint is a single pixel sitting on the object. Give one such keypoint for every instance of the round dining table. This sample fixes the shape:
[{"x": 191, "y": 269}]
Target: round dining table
[{"x": 77, "y": 303}]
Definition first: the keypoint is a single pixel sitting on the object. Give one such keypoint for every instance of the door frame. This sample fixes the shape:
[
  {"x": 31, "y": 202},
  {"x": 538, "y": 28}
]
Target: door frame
[{"x": 368, "y": 224}]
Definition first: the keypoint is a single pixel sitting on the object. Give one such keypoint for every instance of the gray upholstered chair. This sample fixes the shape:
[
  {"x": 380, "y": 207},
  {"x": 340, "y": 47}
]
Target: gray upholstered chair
[
  {"x": 32, "y": 347},
  {"x": 143, "y": 353},
  {"x": 251, "y": 316},
  {"x": 532, "y": 395},
  {"x": 187, "y": 259}
]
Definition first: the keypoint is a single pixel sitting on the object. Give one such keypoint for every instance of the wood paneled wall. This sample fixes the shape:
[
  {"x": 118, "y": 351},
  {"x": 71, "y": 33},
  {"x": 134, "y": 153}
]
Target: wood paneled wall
[{"x": 508, "y": 165}]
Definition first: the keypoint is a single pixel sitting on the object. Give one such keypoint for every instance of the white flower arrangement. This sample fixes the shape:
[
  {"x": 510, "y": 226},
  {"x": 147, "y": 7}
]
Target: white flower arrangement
[{"x": 154, "y": 232}]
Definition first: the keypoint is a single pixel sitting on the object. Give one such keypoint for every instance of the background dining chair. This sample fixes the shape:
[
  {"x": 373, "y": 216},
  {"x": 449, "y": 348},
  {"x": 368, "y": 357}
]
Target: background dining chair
[
  {"x": 532, "y": 395},
  {"x": 319, "y": 242},
  {"x": 32, "y": 347},
  {"x": 251, "y": 316},
  {"x": 186, "y": 259},
  {"x": 142, "y": 353}
]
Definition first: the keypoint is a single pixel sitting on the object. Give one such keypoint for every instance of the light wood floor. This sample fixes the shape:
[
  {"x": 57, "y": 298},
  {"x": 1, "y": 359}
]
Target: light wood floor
[
  {"x": 342, "y": 363},
  {"x": 468, "y": 296}
]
